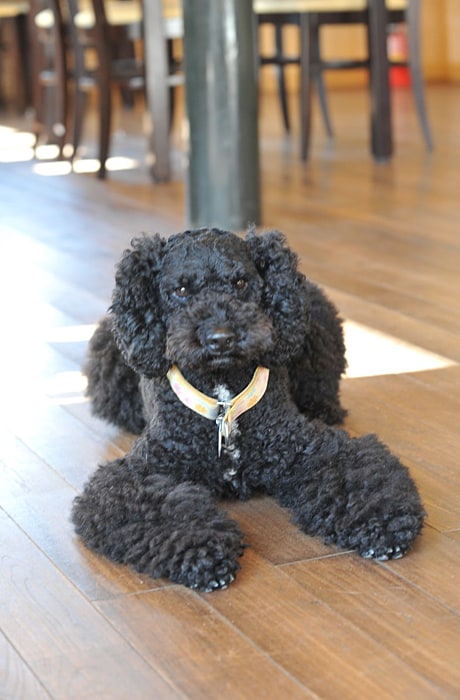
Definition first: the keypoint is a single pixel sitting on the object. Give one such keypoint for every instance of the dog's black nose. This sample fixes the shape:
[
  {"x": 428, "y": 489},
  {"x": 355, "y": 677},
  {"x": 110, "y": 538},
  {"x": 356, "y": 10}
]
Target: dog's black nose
[{"x": 220, "y": 340}]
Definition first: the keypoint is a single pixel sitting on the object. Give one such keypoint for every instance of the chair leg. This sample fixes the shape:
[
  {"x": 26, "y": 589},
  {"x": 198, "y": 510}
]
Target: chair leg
[
  {"x": 157, "y": 95},
  {"x": 79, "y": 108},
  {"x": 105, "y": 118},
  {"x": 413, "y": 31},
  {"x": 61, "y": 113},
  {"x": 281, "y": 78},
  {"x": 40, "y": 98},
  {"x": 39, "y": 111},
  {"x": 319, "y": 79},
  {"x": 172, "y": 91},
  {"x": 306, "y": 60},
  {"x": 59, "y": 122},
  {"x": 321, "y": 90}
]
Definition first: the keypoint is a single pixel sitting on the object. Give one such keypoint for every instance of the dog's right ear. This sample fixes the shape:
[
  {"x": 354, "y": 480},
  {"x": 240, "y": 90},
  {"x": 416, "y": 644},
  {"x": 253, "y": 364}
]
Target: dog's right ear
[{"x": 136, "y": 307}]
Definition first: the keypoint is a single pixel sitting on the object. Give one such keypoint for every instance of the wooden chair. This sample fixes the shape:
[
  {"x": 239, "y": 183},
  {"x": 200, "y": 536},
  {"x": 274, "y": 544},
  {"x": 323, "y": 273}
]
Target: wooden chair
[
  {"x": 76, "y": 48},
  {"x": 314, "y": 14},
  {"x": 49, "y": 72},
  {"x": 96, "y": 30}
]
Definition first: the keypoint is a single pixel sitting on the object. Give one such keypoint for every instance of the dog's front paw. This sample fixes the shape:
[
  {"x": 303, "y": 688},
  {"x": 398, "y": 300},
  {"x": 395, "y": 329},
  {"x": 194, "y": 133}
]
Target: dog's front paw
[
  {"x": 208, "y": 561},
  {"x": 391, "y": 539},
  {"x": 208, "y": 576},
  {"x": 207, "y": 568},
  {"x": 385, "y": 553}
]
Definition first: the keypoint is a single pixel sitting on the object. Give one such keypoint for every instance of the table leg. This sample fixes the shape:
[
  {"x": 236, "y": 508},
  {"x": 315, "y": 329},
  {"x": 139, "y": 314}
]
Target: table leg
[{"x": 221, "y": 96}]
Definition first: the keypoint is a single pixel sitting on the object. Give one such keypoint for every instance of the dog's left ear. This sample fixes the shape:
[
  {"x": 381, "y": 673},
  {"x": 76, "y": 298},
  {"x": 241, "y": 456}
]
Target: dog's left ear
[
  {"x": 136, "y": 307},
  {"x": 284, "y": 296}
]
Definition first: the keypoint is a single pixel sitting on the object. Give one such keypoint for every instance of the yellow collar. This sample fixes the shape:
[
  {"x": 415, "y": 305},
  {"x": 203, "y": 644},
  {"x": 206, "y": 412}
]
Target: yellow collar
[{"x": 223, "y": 412}]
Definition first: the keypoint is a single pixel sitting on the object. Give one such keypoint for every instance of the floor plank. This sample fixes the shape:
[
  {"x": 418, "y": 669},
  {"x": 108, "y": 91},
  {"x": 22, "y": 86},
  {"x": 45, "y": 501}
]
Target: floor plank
[
  {"x": 335, "y": 658},
  {"x": 392, "y": 613},
  {"x": 269, "y": 531},
  {"x": 69, "y": 646},
  {"x": 17, "y": 682},
  {"x": 434, "y": 567},
  {"x": 39, "y": 500},
  {"x": 213, "y": 653},
  {"x": 302, "y": 619}
]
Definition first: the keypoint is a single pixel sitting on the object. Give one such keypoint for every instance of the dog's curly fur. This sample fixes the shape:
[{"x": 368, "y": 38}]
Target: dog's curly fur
[{"x": 156, "y": 508}]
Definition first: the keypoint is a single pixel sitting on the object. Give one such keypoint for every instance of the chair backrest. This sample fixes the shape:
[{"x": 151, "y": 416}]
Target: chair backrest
[
  {"x": 99, "y": 19},
  {"x": 46, "y": 27},
  {"x": 101, "y": 36}
]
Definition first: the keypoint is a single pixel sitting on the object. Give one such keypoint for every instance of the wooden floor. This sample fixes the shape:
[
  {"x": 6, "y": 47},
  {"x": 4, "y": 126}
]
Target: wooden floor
[{"x": 302, "y": 620}]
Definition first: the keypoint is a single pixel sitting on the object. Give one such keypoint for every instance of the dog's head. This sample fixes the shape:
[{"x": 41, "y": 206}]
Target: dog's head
[{"x": 207, "y": 298}]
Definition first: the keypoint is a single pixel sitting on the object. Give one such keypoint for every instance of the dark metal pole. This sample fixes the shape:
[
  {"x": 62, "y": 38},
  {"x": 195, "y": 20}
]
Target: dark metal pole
[
  {"x": 381, "y": 131},
  {"x": 221, "y": 93}
]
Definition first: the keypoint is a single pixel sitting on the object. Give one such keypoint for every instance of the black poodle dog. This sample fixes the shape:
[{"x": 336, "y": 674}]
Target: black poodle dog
[{"x": 228, "y": 361}]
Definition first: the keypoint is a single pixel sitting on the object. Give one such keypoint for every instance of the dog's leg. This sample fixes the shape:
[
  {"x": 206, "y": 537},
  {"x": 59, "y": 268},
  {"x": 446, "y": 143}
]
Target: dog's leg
[
  {"x": 354, "y": 493},
  {"x": 315, "y": 375},
  {"x": 113, "y": 387},
  {"x": 159, "y": 527},
  {"x": 316, "y": 391}
]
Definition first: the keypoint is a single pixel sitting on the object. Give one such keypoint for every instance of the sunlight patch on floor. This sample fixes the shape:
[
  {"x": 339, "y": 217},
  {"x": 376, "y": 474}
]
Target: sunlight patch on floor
[
  {"x": 52, "y": 168},
  {"x": 113, "y": 164},
  {"x": 371, "y": 353},
  {"x": 71, "y": 334},
  {"x": 15, "y": 146},
  {"x": 66, "y": 388},
  {"x": 18, "y": 146},
  {"x": 83, "y": 166}
]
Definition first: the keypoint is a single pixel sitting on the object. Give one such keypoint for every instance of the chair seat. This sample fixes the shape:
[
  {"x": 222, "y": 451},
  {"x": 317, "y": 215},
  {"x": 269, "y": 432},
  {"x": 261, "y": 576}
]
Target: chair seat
[
  {"x": 119, "y": 13},
  {"x": 284, "y": 6},
  {"x": 12, "y": 9},
  {"x": 308, "y": 5},
  {"x": 124, "y": 12}
]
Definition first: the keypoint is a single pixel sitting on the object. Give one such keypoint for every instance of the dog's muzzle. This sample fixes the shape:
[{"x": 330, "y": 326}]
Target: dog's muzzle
[{"x": 220, "y": 340}]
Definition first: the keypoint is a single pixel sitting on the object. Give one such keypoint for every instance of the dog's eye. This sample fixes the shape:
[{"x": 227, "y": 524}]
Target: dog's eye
[
  {"x": 241, "y": 284},
  {"x": 181, "y": 292}
]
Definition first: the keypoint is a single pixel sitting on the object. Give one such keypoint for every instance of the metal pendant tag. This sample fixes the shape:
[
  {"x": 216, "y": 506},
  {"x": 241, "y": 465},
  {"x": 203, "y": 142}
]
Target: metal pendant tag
[{"x": 223, "y": 427}]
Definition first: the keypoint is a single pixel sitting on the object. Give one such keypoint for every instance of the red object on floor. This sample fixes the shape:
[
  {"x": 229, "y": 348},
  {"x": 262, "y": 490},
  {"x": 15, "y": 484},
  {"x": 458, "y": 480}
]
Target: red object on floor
[
  {"x": 399, "y": 76},
  {"x": 398, "y": 51}
]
